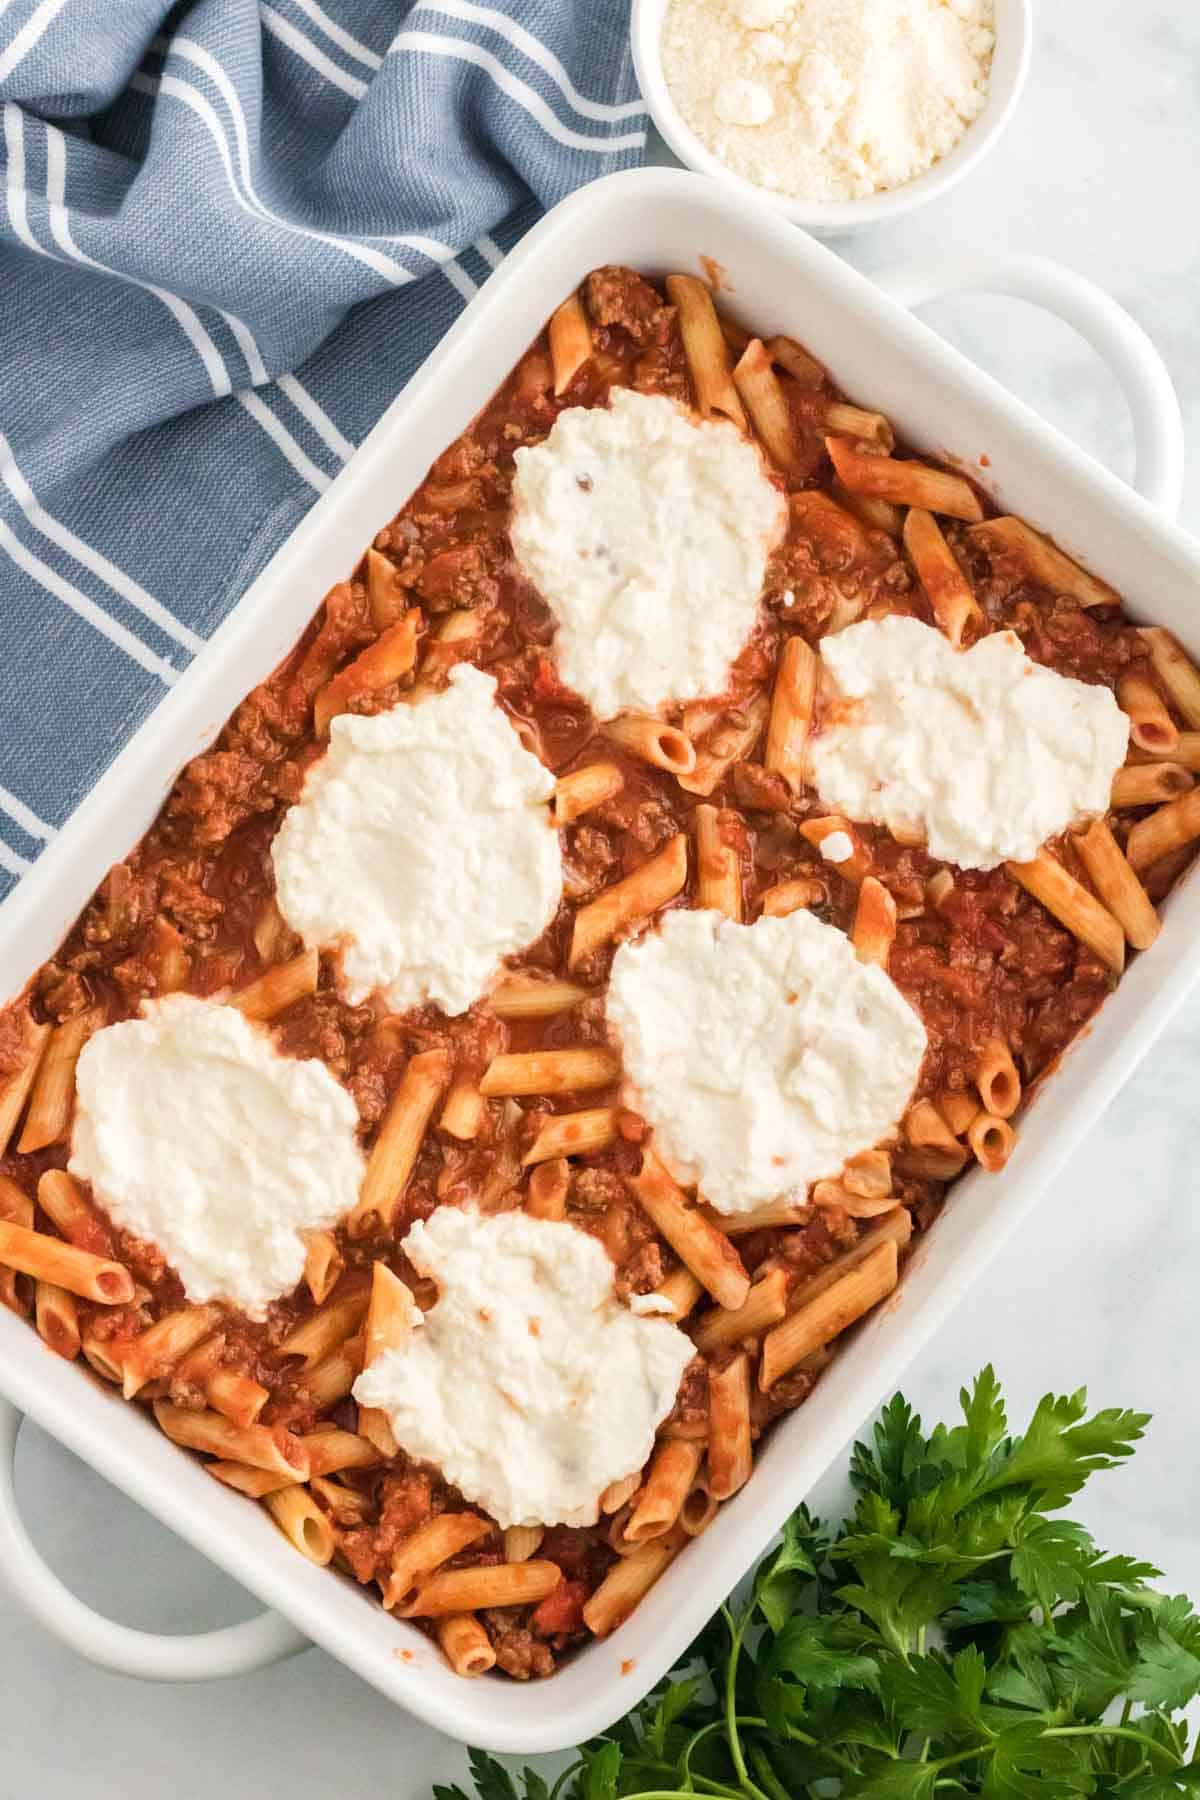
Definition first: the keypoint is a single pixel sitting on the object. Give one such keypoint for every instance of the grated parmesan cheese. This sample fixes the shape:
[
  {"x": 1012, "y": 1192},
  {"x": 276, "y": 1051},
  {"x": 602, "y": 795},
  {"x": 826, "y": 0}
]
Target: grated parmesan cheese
[{"x": 828, "y": 99}]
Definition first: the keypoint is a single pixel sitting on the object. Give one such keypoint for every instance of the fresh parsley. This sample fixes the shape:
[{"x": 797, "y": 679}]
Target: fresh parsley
[{"x": 951, "y": 1639}]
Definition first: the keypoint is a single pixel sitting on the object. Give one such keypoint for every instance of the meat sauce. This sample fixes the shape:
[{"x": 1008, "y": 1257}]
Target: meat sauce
[{"x": 989, "y": 962}]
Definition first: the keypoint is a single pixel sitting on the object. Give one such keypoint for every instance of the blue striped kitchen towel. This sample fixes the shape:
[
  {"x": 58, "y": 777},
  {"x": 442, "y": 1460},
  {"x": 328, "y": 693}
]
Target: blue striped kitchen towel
[{"x": 229, "y": 232}]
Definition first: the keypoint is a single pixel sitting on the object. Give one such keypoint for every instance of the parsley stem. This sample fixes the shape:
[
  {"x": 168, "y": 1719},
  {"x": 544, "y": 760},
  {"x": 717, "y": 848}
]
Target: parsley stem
[
  {"x": 766, "y": 1774},
  {"x": 1114, "y": 1731},
  {"x": 736, "y": 1633}
]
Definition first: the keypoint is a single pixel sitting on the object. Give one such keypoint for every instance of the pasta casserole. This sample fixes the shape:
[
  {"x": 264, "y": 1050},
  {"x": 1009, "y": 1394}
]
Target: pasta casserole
[{"x": 542, "y": 1023}]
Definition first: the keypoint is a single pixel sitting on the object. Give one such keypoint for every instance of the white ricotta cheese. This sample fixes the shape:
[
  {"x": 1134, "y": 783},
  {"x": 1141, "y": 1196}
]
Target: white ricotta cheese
[
  {"x": 764, "y": 1055},
  {"x": 529, "y": 1386},
  {"x": 422, "y": 845},
  {"x": 647, "y": 533},
  {"x": 197, "y": 1134},
  {"x": 828, "y": 99},
  {"x": 983, "y": 751}
]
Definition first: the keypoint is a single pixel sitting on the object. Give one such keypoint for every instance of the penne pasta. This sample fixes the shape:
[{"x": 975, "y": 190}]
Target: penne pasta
[
  {"x": 464, "y": 1113},
  {"x": 463, "y": 1641},
  {"x": 392, "y": 1315},
  {"x": 1049, "y": 566},
  {"x": 532, "y": 997},
  {"x": 629, "y": 1581},
  {"x": 332, "y": 1323},
  {"x": 706, "y": 1251},
  {"x": 550, "y": 1072},
  {"x": 764, "y": 1306},
  {"x": 385, "y": 596},
  {"x": 1169, "y": 828},
  {"x": 844, "y": 420},
  {"x": 346, "y": 1506},
  {"x": 725, "y": 744},
  {"x": 790, "y": 720},
  {"x": 1177, "y": 673},
  {"x": 578, "y": 793},
  {"x": 729, "y": 1457},
  {"x": 161, "y": 1346},
  {"x": 793, "y": 357},
  {"x": 48, "y": 1116},
  {"x": 819, "y": 1320},
  {"x": 698, "y": 1510},
  {"x": 958, "y": 1109},
  {"x": 1151, "y": 726},
  {"x": 17, "y": 1208},
  {"x": 331, "y": 1379},
  {"x": 14, "y": 1090},
  {"x": 991, "y": 1141},
  {"x": 1073, "y": 906},
  {"x": 652, "y": 741},
  {"x": 894, "y": 1228},
  {"x": 704, "y": 347},
  {"x": 323, "y": 1265},
  {"x": 392, "y": 1156},
  {"x": 932, "y": 1164},
  {"x": 869, "y": 1174},
  {"x": 168, "y": 958},
  {"x": 65, "y": 1207},
  {"x": 669, "y": 1480},
  {"x": 1114, "y": 880},
  {"x": 572, "y": 1134},
  {"x": 718, "y": 867},
  {"x": 629, "y": 901},
  {"x": 682, "y": 1289},
  {"x": 764, "y": 399},
  {"x": 870, "y": 510},
  {"x": 455, "y": 638},
  {"x": 329, "y": 1452},
  {"x": 904, "y": 483},
  {"x": 268, "y": 1447},
  {"x": 925, "y": 1126},
  {"x": 835, "y": 1195},
  {"x": 1148, "y": 784},
  {"x": 522, "y": 1542},
  {"x": 48, "y": 1259},
  {"x": 839, "y": 845},
  {"x": 279, "y": 988},
  {"x": 546, "y": 1195},
  {"x": 998, "y": 1082},
  {"x": 390, "y": 657},
  {"x": 302, "y": 1523},
  {"x": 570, "y": 343},
  {"x": 271, "y": 931},
  {"x": 874, "y": 929},
  {"x": 617, "y": 1493},
  {"x": 770, "y": 1216},
  {"x": 255, "y": 1483},
  {"x": 789, "y": 896},
  {"x": 99, "y": 1353},
  {"x": 376, "y": 1427},
  {"x": 947, "y": 590},
  {"x": 475, "y": 1589},
  {"x": 426, "y": 1549},
  {"x": 56, "y": 1314}
]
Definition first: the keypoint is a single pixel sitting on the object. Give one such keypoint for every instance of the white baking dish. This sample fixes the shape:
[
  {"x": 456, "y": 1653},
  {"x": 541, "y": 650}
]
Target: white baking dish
[{"x": 782, "y": 281}]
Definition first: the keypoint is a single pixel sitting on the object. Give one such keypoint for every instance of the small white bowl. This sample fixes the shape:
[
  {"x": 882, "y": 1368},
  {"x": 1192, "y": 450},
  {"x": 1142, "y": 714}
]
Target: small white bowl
[{"x": 831, "y": 218}]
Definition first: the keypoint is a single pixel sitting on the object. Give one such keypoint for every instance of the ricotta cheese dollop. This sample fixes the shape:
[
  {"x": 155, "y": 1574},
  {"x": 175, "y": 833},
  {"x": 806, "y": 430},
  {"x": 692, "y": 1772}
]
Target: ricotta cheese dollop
[
  {"x": 422, "y": 846},
  {"x": 647, "y": 534},
  {"x": 529, "y": 1385},
  {"x": 763, "y": 1055},
  {"x": 197, "y": 1134},
  {"x": 983, "y": 751}
]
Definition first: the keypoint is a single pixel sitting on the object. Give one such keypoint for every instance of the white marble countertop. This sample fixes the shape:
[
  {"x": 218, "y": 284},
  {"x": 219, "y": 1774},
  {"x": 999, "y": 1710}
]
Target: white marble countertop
[{"x": 1098, "y": 169}]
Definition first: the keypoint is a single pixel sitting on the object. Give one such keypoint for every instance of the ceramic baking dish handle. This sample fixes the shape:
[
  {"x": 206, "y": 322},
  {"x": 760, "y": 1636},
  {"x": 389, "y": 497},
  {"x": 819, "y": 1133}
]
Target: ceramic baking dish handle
[
  {"x": 235, "y": 1650},
  {"x": 1118, "y": 339}
]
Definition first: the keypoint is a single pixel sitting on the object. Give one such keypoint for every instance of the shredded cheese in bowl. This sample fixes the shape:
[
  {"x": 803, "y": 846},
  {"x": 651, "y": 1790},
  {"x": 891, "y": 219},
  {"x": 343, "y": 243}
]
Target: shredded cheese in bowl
[{"x": 828, "y": 100}]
